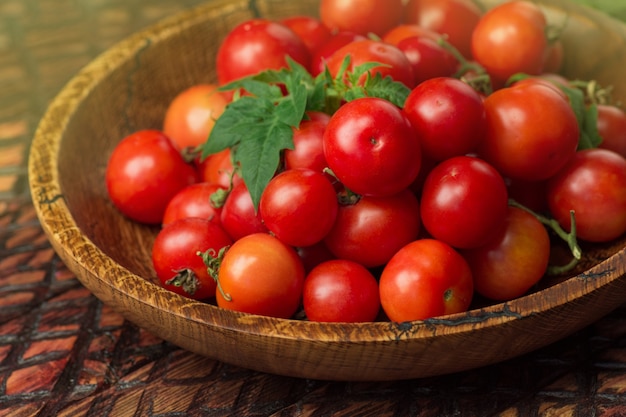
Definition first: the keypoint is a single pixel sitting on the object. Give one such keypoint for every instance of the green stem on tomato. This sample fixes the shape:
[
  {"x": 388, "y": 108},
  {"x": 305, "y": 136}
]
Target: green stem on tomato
[
  {"x": 213, "y": 262},
  {"x": 570, "y": 238}
]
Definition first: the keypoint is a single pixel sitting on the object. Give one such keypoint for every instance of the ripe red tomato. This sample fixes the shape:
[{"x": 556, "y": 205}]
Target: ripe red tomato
[
  {"x": 259, "y": 274},
  {"x": 361, "y": 16},
  {"x": 464, "y": 202},
  {"x": 371, "y": 148},
  {"x": 448, "y": 115},
  {"x": 593, "y": 184},
  {"x": 314, "y": 255},
  {"x": 175, "y": 257},
  {"x": 341, "y": 291},
  {"x": 394, "y": 62},
  {"x": 371, "y": 230},
  {"x": 239, "y": 217},
  {"x": 511, "y": 38},
  {"x": 514, "y": 260},
  {"x": 428, "y": 58},
  {"x": 299, "y": 206},
  {"x": 218, "y": 169},
  {"x": 319, "y": 57},
  {"x": 310, "y": 29},
  {"x": 308, "y": 145},
  {"x": 403, "y": 31},
  {"x": 143, "y": 173},
  {"x": 190, "y": 116},
  {"x": 257, "y": 45},
  {"x": 612, "y": 128},
  {"x": 195, "y": 200},
  {"x": 426, "y": 278},
  {"x": 532, "y": 131}
]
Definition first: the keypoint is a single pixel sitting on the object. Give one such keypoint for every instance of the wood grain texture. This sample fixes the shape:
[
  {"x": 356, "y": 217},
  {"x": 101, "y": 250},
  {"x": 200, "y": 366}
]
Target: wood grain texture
[{"x": 128, "y": 87}]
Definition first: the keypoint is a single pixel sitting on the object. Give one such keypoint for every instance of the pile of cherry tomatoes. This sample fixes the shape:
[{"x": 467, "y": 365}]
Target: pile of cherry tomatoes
[{"x": 379, "y": 211}]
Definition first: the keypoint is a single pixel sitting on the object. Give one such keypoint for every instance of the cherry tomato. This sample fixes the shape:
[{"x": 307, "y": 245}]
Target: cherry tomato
[
  {"x": 593, "y": 184},
  {"x": 143, "y": 173},
  {"x": 239, "y": 217},
  {"x": 454, "y": 18},
  {"x": 308, "y": 145},
  {"x": 532, "y": 131},
  {"x": 195, "y": 200},
  {"x": 259, "y": 274},
  {"x": 394, "y": 62},
  {"x": 426, "y": 278},
  {"x": 299, "y": 206},
  {"x": 403, "y": 31},
  {"x": 612, "y": 128},
  {"x": 448, "y": 115},
  {"x": 341, "y": 291},
  {"x": 175, "y": 256},
  {"x": 511, "y": 38},
  {"x": 428, "y": 59},
  {"x": 310, "y": 29},
  {"x": 371, "y": 148},
  {"x": 338, "y": 40},
  {"x": 314, "y": 255},
  {"x": 361, "y": 16},
  {"x": 464, "y": 202},
  {"x": 514, "y": 260},
  {"x": 257, "y": 45},
  {"x": 370, "y": 230},
  {"x": 190, "y": 116},
  {"x": 218, "y": 169}
]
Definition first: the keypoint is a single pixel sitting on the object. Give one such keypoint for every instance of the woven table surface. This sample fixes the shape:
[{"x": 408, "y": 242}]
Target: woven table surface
[{"x": 64, "y": 353}]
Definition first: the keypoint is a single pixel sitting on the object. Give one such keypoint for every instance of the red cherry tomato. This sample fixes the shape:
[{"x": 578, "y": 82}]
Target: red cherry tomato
[
  {"x": 299, "y": 206},
  {"x": 394, "y": 62},
  {"x": 454, "y": 18},
  {"x": 257, "y": 45},
  {"x": 464, "y": 202},
  {"x": 341, "y": 291},
  {"x": 612, "y": 128},
  {"x": 371, "y": 230},
  {"x": 371, "y": 148},
  {"x": 190, "y": 116},
  {"x": 593, "y": 184},
  {"x": 175, "y": 257},
  {"x": 424, "y": 279},
  {"x": 239, "y": 217},
  {"x": 218, "y": 169},
  {"x": 195, "y": 200},
  {"x": 428, "y": 59},
  {"x": 511, "y": 38},
  {"x": 361, "y": 16},
  {"x": 308, "y": 145},
  {"x": 259, "y": 274},
  {"x": 403, "y": 31},
  {"x": 514, "y": 260},
  {"x": 143, "y": 173},
  {"x": 311, "y": 30},
  {"x": 338, "y": 40},
  {"x": 532, "y": 131},
  {"x": 448, "y": 116}
]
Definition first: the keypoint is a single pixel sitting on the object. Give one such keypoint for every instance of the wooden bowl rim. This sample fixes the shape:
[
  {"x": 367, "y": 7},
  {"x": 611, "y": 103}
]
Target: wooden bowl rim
[{"x": 47, "y": 143}]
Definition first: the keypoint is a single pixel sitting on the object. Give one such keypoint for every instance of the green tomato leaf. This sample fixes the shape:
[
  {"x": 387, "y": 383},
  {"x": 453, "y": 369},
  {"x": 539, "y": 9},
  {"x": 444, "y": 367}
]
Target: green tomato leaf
[{"x": 587, "y": 117}]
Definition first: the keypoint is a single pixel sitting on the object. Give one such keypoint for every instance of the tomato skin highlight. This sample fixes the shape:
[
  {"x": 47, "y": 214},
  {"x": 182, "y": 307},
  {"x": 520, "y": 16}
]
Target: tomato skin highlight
[
  {"x": 514, "y": 260},
  {"x": 425, "y": 279},
  {"x": 593, "y": 184},
  {"x": 371, "y": 147},
  {"x": 261, "y": 275},
  {"x": 143, "y": 173},
  {"x": 341, "y": 291}
]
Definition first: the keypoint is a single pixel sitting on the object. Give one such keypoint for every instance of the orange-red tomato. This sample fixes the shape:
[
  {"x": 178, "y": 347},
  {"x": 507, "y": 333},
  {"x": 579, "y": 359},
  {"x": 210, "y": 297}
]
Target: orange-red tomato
[
  {"x": 191, "y": 115},
  {"x": 361, "y": 16}
]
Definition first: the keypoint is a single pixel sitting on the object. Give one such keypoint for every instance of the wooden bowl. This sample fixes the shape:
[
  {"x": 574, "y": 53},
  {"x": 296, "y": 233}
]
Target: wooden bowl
[{"x": 128, "y": 88}]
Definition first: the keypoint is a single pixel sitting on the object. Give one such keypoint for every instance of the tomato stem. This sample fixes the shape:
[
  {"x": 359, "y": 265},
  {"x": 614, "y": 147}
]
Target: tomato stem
[
  {"x": 213, "y": 262},
  {"x": 185, "y": 279},
  {"x": 570, "y": 238},
  {"x": 481, "y": 81}
]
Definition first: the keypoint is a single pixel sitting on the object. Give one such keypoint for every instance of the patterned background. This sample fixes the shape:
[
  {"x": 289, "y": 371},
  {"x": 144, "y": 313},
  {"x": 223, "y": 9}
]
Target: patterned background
[{"x": 63, "y": 353}]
